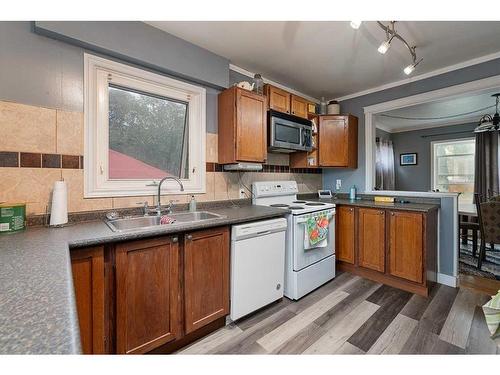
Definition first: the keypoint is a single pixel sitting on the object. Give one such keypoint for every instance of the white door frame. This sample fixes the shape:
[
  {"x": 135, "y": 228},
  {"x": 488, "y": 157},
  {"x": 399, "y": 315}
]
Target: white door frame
[{"x": 426, "y": 97}]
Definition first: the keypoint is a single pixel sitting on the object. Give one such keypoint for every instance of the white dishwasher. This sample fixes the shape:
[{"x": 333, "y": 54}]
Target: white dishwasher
[{"x": 257, "y": 265}]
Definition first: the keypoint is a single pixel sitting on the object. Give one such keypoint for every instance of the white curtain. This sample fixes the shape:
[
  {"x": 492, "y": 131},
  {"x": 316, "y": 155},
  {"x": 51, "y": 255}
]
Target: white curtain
[{"x": 384, "y": 167}]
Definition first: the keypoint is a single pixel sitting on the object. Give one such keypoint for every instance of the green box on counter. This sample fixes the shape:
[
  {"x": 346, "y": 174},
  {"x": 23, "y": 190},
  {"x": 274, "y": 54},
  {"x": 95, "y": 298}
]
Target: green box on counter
[{"x": 12, "y": 217}]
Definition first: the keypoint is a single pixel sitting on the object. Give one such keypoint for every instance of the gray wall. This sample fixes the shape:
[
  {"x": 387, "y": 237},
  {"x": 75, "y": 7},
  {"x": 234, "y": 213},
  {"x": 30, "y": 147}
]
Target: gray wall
[
  {"x": 418, "y": 177},
  {"x": 355, "y": 106},
  {"x": 41, "y": 71},
  {"x": 142, "y": 44}
]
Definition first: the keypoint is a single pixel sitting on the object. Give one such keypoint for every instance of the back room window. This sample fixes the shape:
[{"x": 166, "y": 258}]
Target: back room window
[{"x": 453, "y": 167}]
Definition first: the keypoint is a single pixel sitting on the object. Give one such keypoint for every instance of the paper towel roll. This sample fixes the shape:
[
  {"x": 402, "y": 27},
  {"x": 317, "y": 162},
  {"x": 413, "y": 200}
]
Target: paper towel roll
[{"x": 59, "y": 209}]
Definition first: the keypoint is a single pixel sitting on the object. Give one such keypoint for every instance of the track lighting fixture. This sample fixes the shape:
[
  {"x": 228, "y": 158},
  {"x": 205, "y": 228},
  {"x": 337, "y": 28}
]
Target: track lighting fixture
[
  {"x": 355, "y": 24},
  {"x": 390, "y": 34},
  {"x": 489, "y": 123}
]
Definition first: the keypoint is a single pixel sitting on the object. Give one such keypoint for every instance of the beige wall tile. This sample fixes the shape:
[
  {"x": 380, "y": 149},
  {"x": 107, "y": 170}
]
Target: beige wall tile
[
  {"x": 69, "y": 133},
  {"x": 76, "y": 202},
  {"x": 226, "y": 186},
  {"x": 126, "y": 202},
  {"x": 209, "y": 195},
  {"x": 212, "y": 148},
  {"x": 277, "y": 159},
  {"x": 27, "y": 128},
  {"x": 30, "y": 185}
]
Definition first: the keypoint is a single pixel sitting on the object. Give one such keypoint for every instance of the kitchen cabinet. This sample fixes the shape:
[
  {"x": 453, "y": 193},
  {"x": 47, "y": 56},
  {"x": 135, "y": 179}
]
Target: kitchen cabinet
[
  {"x": 277, "y": 99},
  {"x": 393, "y": 247},
  {"x": 338, "y": 141},
  {"x": 371, "y": 238},
  {"x": 345, "y": 236},
  {"x": 87, "y": 266},
  {"x": 242, "y": 125},
  {"x": 156, "y": 294},
  {"x": 147, "y": 294},
  {"x": 206, "y": 277},
  {"x": 298, "y": 106},
  {"x": 406, "y": 245}
]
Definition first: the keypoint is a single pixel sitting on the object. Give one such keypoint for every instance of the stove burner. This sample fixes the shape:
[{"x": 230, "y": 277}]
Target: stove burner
[
  {"x": 315, "y": 204},
  {"x": 299, "y": 202},
  {"x": 296, "y": 207},
  {"x": 279, "y": 205}
]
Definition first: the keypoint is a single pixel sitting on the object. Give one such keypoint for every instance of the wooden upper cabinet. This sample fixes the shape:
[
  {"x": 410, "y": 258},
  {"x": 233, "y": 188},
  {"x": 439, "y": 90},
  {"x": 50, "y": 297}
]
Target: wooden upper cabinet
[
  {"x": 345, "y": 236},
  {"x": 147, "y": 294},
  {"x": 298, "y": 106},
  {"x": 278, "y": 99},
  {"x": 242, "y": 126},
  {"x": 87, "y": 266},
  {"x": 338, "y": 141},
  {"x": 406, "y": 247},
  {"x": 371, "y": 238},
  {"x": 206, "y": 277}
]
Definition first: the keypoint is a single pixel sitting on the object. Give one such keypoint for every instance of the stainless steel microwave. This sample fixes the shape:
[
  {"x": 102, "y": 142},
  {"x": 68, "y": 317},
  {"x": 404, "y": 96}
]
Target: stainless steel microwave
[{"x": 288, "y": 133}]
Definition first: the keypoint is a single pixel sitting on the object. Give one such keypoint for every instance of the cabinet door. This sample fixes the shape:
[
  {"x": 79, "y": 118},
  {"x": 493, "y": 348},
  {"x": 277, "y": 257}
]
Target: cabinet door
[
  {"x": 406, "y": 245},
  {"x": 251, "y": 138},
  {"x": 333, "y": 141},
  {"x": 345, "y": 225},
  {"x": 299, "y": 106},
  {"x": 87, "y": 266},
  {"x": 371, "y": 238},
  {"x": 147, "y": 294},
  {"x": 206, "y": 277},
  {"x": 279, "y": 99}
]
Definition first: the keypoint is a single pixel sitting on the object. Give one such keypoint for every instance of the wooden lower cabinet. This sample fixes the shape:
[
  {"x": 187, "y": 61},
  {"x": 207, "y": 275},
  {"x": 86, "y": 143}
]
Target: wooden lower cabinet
[
  {"x": 393, "y": 247},
  {"x": 345, "y": 235},
  {"x": 147, "y": 294},
  {"x": 371, "y": 238},
  {"x": 87, "y": 266},
  {"x": 206, "y": 277},
  {"x": 155, "y": 294},
  {"x": 406, "y": 245}
]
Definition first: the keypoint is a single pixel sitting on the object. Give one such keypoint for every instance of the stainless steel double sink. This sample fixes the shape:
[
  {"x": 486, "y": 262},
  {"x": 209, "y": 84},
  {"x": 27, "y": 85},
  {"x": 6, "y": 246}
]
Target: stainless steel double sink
[{"x": 145, "y": 222}]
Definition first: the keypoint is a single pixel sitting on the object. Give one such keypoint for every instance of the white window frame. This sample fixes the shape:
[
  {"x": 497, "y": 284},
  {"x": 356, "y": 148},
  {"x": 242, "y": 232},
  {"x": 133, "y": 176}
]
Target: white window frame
[
  {"x": 434, "y": 160},
  {"x": 98, "y": 73}
]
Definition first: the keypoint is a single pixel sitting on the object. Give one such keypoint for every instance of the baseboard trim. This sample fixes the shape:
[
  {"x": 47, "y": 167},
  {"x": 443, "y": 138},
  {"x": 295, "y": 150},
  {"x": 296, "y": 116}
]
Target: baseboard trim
[{"x": 447, "y": 280}]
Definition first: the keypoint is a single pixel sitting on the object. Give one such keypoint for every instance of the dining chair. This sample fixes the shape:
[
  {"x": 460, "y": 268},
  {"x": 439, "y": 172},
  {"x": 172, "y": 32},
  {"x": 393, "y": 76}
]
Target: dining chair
[{"x": 489, "y": 223}]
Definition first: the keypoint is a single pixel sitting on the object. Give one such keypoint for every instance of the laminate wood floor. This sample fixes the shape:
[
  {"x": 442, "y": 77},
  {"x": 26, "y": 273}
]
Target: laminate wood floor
[{"x": 352, "y": 315}]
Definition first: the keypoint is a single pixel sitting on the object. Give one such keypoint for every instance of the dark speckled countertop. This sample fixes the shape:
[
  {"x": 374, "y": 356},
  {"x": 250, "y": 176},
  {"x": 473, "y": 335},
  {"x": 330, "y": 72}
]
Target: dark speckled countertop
[
  {"x": 420, "y": 207},
  {"x": 37, "y": 304}
]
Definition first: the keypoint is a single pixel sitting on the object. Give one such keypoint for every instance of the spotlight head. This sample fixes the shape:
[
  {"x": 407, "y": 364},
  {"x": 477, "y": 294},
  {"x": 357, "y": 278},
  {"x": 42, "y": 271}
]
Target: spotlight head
[
  {"x": 356, "y": 24},
  {"x": 409, "y": 69},
  {"x": 384, "y": 47}
]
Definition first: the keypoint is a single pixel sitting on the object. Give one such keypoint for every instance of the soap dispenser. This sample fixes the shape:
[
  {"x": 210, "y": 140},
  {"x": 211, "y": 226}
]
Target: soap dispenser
[{"x": 192, "y": 204}]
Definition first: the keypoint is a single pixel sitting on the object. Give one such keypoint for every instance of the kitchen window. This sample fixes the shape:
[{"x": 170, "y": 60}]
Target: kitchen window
[
  {"x": 453, "y": 167},
  {"x": 141, "y": 127}
]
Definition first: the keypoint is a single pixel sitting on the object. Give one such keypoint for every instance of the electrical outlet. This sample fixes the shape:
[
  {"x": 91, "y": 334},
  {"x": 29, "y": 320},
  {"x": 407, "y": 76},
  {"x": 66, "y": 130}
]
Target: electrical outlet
[
  {"x": 338, "y": 184},
  {"x": 243, "y": 195}
]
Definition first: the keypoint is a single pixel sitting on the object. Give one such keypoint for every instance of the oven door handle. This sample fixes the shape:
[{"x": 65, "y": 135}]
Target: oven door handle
[{"x": 329, "y": 217}]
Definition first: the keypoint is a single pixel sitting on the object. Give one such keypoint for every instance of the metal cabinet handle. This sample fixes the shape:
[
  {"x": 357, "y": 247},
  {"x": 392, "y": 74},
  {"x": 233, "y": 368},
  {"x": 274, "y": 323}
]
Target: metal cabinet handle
[
  {"x": 381, "y": 212},
  {"x": 175, "y": 239},
  {"x": 189, "y": 237},
  {"x": 392, "y": 213},
  {"x": 351, "y": 209}
]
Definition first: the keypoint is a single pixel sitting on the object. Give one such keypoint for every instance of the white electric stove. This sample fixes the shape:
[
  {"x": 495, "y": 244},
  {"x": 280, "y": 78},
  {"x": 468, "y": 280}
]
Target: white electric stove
[{"x": 305, "y": 269}]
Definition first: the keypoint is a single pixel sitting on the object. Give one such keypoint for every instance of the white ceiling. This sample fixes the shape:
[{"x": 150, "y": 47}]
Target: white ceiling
[
  {"x": 442, "y": 108},
  {"x": 331, "y": 59}
]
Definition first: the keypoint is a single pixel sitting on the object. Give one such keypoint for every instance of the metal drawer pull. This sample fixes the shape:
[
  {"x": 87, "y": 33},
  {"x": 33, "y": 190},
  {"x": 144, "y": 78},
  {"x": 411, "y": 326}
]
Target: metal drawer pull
[
  {"x": 175, "y": 239},
  {"x": 189, "y": 237}
]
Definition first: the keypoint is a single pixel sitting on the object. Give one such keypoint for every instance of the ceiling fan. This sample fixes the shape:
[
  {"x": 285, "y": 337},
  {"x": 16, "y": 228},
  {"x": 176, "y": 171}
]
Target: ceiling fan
[{"x": 489, "y": 123}]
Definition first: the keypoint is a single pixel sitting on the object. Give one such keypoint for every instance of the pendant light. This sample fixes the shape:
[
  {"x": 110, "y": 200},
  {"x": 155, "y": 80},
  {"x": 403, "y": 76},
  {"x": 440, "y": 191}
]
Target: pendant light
[{"x": 489, "y": 123}]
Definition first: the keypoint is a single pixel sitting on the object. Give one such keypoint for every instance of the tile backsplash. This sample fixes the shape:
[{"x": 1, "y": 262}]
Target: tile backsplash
[{"x": 39, "y": 146}]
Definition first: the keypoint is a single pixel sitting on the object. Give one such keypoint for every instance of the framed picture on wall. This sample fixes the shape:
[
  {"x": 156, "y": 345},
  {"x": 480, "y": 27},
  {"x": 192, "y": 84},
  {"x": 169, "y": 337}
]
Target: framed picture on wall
[{"x": 408, "y": 159}]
